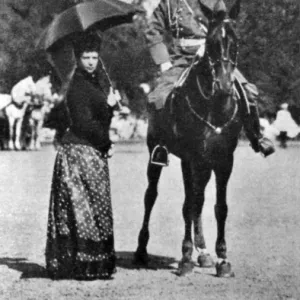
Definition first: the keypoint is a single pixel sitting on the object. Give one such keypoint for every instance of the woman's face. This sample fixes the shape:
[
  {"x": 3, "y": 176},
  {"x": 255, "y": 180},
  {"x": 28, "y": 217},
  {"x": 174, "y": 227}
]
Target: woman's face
[{"x": 88, "y": 61}]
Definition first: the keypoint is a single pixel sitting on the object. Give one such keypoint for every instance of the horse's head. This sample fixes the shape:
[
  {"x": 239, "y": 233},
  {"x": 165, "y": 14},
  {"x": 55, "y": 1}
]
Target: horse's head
[
  {"x": 29, "y": 86},
  {"x": 43, "y": 91},
  {"x": 24, "y": 91},
  {"x": 222, "y": 48}
]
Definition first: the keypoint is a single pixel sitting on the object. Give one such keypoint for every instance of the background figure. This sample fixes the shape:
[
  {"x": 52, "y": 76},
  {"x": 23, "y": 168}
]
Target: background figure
[
  {"x": 80, "y": 239},
  {"x": 286, "y": 125}
]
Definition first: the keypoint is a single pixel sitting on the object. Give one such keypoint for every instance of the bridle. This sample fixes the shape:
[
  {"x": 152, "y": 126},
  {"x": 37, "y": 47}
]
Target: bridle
[
  {"x": 219, "y": 129},
  {"x": 215, "y": 80}
]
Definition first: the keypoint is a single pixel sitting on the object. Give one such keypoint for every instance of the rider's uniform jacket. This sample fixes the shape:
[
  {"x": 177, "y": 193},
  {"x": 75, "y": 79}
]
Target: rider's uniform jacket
[{"x": 180, "y": 20}]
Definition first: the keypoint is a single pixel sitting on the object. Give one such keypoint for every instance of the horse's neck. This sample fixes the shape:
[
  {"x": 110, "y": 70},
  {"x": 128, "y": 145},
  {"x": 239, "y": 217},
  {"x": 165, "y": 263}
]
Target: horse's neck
[
  {"x": 222, "y": 108},
  {"x": 200, "y": 86},
  {"x": 199, "y": 91}
]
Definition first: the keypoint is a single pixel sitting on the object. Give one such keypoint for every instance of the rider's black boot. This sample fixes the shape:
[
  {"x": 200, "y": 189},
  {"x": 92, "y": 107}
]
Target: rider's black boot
[{"x": 258, "y": 142}]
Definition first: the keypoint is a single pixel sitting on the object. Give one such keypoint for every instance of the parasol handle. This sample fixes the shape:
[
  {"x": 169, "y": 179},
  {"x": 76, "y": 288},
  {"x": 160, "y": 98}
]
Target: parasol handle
[{"x": 120, "y": 106}]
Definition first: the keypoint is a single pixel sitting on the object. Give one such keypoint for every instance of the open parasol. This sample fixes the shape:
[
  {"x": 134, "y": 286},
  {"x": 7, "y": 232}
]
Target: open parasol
[{"x": 100, "y": 14}]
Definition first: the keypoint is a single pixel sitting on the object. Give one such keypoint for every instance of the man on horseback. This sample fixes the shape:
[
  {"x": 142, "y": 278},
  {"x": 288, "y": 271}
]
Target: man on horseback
[{"x": 184, "y": 22}]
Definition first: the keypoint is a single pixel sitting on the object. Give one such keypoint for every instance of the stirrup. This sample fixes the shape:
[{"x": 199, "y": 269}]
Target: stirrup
[{"x": 160, "y": 156}]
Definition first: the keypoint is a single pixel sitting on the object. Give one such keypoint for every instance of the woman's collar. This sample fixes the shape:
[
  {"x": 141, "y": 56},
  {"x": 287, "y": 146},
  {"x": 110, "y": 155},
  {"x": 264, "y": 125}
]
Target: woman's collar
[{"x": 86, "y": 74}]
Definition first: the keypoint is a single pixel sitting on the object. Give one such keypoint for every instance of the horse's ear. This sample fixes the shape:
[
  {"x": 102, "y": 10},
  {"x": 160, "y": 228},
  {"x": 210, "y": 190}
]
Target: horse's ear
[
  {"x": 220, "y": 10},
  {"x": 235, "y": 10},
  {"x": 208, "y": 13}
]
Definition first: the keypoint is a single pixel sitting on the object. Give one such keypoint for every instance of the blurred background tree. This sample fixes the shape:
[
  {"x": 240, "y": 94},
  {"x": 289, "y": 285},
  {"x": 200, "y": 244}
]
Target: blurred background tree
[{"x": 269, "y": 49}]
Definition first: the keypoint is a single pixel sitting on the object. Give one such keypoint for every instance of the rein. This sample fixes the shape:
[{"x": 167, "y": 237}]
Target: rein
[
  {"x": 201, "y": 90},
  {"x": 217, "y": 130}
]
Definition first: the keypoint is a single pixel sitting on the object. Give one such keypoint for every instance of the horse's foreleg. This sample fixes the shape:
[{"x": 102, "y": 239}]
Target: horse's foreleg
[
  {"x": 153, "y": 174},
  {"x": 223, "y": 172},
  {"x": 201, "y": 176},
  {"x": 18, "y": 134},
  {"x": 11, "y": 123},
  {"x": 186, "y": 265},
  {"x": 195, "y": 178}
]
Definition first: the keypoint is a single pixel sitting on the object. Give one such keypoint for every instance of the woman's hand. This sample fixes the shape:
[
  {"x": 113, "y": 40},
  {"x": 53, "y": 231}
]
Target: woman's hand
[
  {"x": 113, "y": 97},
  {"x": 111, "y": 151}
]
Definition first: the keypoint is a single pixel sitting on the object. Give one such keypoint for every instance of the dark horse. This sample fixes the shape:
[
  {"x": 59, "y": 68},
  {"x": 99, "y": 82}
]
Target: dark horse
[{"x": 202, "y": 122}]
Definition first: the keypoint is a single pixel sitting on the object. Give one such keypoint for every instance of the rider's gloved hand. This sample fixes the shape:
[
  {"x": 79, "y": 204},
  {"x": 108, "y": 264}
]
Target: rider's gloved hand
[{"x": 165, "y": 66}]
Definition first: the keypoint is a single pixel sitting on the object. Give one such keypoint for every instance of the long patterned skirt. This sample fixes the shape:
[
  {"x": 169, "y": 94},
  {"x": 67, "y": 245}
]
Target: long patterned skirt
[{"x": 80, "y": 240}]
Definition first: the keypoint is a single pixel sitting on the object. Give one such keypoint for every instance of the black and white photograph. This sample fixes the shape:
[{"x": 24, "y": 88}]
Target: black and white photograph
[{"x": 149, "y": 149}]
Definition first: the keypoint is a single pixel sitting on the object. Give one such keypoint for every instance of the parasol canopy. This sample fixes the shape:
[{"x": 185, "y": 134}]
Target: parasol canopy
[{"x": 100, "y": 14}]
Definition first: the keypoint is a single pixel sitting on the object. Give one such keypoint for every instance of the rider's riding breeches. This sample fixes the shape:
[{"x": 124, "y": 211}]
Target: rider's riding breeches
[{"x": 164, "y": 86}]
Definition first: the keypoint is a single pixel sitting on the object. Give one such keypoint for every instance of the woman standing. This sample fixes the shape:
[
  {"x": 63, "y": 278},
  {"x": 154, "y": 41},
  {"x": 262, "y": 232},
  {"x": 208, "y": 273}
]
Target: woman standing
[{"x": 80, "y": 240}]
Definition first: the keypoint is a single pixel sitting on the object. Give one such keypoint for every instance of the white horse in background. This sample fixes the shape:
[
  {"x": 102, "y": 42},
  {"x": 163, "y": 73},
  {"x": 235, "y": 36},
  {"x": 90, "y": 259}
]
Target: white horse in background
[
  {"x": 43, "y": 102},
  {"x": 22, "y": 95},
  {"x": 5, "y": 100}
]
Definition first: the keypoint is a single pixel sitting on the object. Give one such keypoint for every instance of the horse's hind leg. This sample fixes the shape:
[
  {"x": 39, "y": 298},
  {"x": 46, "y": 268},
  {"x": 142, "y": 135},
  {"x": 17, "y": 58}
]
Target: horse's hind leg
[
  {"x": 153, "y": 174},
  {"x": 223, "y": 172}
]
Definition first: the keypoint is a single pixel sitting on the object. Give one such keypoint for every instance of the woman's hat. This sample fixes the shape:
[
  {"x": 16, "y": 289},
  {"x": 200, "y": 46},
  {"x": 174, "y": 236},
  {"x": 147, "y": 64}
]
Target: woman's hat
[{"x": 86, "y": 42}]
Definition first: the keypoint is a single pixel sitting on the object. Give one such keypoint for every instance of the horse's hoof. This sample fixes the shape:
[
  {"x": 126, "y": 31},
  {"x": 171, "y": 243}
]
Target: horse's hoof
[
  {"x": 185, "y": 268},
  {"x": 205, "y": 261},
  {"x": 141, "y": 258},
  {"x": 224, "y": 269}
]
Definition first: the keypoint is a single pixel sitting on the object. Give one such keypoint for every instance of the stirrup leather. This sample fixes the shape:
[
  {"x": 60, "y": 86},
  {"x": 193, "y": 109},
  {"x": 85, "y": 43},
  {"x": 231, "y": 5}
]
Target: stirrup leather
[{"x": 242, "y": 95}]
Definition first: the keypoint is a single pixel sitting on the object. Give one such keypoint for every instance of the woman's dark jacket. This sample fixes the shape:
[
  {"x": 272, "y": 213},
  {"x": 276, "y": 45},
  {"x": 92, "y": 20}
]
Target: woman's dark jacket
[{"x": 89, "y": 113}]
